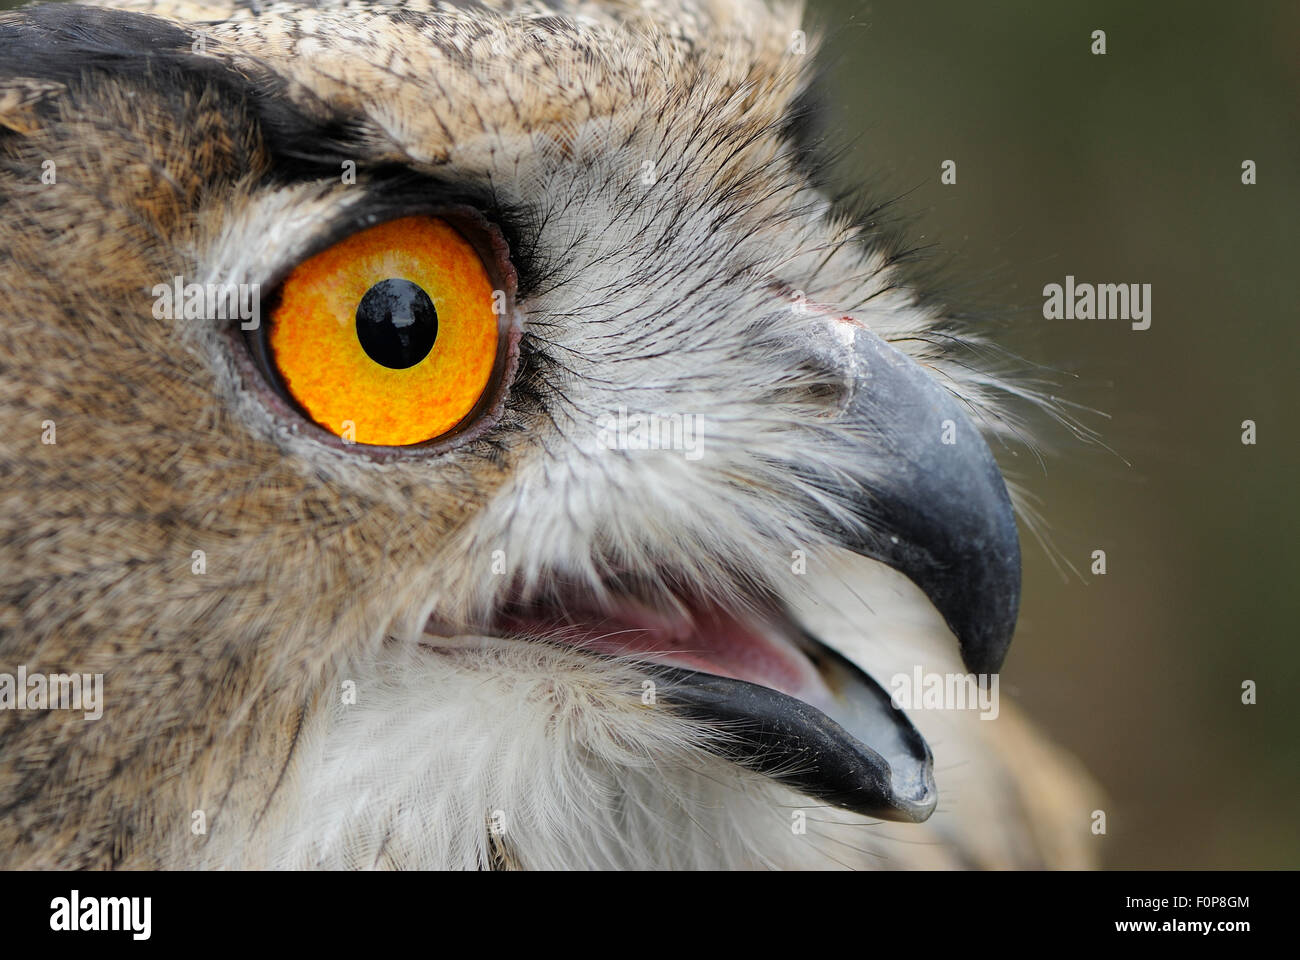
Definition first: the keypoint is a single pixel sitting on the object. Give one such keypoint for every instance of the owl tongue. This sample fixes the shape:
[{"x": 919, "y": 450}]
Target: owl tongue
[{"x": 705, "y": 637}]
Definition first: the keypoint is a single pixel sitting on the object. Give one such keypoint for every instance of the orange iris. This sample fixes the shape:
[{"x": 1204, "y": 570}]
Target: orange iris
[{"x": 388, "y": 337}]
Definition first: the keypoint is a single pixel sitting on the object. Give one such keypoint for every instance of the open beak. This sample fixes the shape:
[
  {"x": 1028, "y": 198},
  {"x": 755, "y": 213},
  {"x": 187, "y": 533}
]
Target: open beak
[{"x": 930, "y": 502}]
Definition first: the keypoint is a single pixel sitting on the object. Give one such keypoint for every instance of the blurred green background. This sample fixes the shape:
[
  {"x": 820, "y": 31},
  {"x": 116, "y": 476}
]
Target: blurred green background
[{"x": 1126, "y": 168}]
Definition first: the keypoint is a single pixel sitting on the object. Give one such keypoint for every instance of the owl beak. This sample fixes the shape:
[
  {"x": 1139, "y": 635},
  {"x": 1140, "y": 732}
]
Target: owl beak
[{"x": 927, "y": 499}]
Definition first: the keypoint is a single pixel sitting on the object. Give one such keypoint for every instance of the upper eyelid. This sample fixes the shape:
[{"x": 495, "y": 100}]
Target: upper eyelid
[
  {"x": 282, "y": 225},
  {"x": 386, "y": 201}
]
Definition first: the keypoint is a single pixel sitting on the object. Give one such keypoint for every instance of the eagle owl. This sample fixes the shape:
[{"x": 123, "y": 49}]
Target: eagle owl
[{"x": 470, "y": 435}]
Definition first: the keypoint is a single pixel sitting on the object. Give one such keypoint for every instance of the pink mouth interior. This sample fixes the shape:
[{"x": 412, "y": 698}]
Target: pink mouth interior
[{"x": 707, "y": 638}]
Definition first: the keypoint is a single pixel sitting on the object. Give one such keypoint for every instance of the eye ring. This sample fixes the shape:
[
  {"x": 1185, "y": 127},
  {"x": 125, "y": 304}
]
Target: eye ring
[{"x": 258, "y": 368}]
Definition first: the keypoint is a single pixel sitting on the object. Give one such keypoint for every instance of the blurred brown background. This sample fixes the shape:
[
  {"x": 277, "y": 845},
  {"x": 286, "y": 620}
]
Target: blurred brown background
[{"x": 1127, "y": 168}]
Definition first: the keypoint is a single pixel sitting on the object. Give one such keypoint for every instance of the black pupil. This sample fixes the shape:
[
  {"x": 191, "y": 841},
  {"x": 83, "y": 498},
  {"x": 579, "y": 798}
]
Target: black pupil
[{"x": 396, "y": 323}]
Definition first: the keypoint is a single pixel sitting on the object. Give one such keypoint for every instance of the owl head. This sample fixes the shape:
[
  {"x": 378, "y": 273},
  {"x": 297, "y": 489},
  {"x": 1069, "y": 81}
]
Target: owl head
[{"x": 471, "y": 435}]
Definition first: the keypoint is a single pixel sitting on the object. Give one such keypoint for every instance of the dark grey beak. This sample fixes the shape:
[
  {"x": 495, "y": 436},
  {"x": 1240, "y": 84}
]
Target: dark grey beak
[{"x": 930, "y": 501}]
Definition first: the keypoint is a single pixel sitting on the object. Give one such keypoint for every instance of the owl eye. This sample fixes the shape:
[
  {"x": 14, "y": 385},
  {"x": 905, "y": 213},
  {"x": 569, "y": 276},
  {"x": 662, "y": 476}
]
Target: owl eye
[{"x": 389, "y": 337}]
